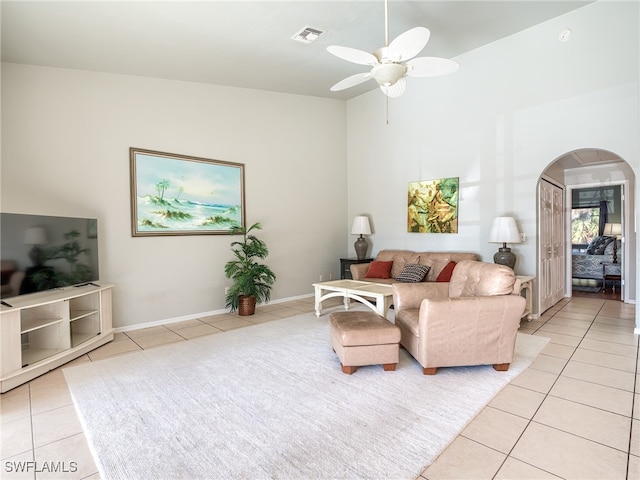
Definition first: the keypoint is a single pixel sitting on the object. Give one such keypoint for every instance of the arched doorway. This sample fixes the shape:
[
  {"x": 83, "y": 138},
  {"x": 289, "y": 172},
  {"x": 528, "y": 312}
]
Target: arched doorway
[{"x": 580, "y": 168}]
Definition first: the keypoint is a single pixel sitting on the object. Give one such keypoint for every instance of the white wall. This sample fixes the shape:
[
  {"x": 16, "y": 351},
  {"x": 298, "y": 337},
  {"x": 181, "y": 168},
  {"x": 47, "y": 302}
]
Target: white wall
[
  {"x": 65, "y": 151},
  {"x": 513, "y": 107}
]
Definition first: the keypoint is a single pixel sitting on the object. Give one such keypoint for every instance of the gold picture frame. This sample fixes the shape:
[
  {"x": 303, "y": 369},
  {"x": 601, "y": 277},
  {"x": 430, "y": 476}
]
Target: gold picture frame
[
  {"x": 174, "y": 194},
  {"x": 433, "y": 206}
]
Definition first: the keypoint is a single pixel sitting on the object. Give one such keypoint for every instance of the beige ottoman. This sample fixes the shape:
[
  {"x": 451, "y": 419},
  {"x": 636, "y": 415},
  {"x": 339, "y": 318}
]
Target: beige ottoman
[{"x": 364, "y": 338}]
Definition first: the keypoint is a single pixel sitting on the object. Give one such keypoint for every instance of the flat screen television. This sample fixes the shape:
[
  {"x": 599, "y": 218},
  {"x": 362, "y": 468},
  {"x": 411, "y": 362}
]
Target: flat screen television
[{"x": 40, "y": 252}]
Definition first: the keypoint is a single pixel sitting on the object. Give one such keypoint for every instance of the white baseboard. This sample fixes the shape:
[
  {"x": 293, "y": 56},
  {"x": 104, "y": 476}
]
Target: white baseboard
[{"x": 193, "y": 316}]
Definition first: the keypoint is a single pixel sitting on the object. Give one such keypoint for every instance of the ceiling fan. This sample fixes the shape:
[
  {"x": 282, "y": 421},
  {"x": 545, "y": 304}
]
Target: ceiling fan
[{"x": 394, "y": 62}]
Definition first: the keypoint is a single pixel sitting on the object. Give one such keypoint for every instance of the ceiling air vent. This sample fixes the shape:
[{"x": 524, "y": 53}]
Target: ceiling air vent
[{"x": 307, "y": 35}]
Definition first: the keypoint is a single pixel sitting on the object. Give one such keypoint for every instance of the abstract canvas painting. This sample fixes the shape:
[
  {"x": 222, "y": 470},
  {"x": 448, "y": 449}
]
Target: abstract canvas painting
[
  {"x": 175, "y": 194},
  {"x": 433, "y": 206}
]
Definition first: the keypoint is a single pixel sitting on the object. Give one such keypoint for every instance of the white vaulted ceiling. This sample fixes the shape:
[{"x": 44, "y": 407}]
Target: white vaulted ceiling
[{"x": 248, "y": 43}]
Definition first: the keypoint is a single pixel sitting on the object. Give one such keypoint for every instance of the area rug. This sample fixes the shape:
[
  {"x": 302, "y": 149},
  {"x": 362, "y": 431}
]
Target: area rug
[{"x": 270, "y": 401}]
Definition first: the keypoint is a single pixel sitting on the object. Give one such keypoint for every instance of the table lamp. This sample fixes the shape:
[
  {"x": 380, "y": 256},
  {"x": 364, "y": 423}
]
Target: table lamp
[
  {"x": 613, "y": 230},
  {"x": 504, "y": 230},
  {"x": 361, "y": 227}
]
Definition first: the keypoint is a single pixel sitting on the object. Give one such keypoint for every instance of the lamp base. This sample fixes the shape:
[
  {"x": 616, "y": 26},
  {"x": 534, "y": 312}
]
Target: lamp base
[
  {"x": 504, "y": 256},
  {"x": 361, "y": 247},
  {"x": 35, "y": 255}
]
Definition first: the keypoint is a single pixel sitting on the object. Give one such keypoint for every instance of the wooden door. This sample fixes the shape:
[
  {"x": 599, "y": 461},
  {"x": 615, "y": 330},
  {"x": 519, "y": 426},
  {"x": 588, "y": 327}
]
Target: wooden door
[{"x": 550, "y": 246}]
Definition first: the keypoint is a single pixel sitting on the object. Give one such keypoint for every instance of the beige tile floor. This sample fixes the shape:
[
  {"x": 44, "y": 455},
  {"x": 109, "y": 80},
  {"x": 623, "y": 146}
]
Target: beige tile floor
[{"x": 574, "y": 414}]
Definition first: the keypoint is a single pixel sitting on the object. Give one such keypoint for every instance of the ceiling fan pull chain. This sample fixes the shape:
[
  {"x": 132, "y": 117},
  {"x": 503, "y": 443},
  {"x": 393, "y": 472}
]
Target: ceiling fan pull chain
[{"x": 387, "y": 109}]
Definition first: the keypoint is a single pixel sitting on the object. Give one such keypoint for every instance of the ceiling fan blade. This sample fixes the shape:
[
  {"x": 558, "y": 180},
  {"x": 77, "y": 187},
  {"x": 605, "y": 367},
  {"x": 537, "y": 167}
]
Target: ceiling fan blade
[
  {"x": 353, "y": 55},
  {"x": 351, "y": 81},
  {"x": 408, "y": 44},
  {"x": 430, "y": 67},
  {"x": 396, "y": 89}
]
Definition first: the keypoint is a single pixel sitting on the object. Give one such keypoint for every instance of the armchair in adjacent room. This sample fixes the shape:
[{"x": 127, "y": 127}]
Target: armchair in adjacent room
[{"x": 473, "y": 322}]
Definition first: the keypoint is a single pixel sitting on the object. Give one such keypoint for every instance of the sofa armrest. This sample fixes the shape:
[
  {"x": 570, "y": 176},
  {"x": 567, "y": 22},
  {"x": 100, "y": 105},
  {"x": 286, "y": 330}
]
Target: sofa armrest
[
  {"x": 359, "y": 270},
  {"x": 410, "y": 295},
  {"x": 466, "y": 330},
  {"x": 439, "y": 313}
]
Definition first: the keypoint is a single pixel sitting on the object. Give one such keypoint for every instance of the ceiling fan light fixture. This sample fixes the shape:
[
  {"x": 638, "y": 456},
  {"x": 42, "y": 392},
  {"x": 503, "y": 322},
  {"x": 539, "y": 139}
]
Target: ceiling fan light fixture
[
  {"x": 396, "y": 89},
  {"x": 395, "y": 61},
  {"x": 387, "y": 74}
]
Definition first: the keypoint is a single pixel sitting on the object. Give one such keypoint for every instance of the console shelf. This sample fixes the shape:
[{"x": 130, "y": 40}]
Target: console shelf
[{"x": 41, "y": 331}]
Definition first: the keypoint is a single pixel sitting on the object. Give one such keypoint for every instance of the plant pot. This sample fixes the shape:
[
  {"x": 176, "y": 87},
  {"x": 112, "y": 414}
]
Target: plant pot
[{"x": 246, "y": 305}]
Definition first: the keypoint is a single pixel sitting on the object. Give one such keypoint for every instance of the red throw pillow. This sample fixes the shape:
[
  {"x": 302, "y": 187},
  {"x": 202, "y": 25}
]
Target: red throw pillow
[
  {"x": 379, "y": 270},
  {"x": 445, "y": 274}
]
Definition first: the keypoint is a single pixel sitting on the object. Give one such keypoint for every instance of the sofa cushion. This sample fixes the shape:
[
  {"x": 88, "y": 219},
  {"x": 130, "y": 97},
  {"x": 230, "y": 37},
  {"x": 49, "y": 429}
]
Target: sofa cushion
[
  {"x": 400, "y": 258},
  {"x": 447, "y": 271},
  {"x": 413, "y": 272},
  {"x": 378, "y": 269},
  {"x": 598, "y": 244},
  {"x": 435, "y": 260},
  {"x": 438, "y": 260}
]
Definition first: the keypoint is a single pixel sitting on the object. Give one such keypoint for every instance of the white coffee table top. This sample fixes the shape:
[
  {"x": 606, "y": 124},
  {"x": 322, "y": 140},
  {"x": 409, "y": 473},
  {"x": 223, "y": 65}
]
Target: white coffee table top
[{"x": 357, "y": 290}]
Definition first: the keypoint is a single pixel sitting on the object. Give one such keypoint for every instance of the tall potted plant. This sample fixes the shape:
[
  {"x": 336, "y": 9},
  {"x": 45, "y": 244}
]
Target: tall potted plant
[{"x": 252, "y": 281}]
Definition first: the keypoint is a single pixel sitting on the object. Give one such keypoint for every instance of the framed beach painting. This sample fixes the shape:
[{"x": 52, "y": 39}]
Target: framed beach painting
[
  {"x": 433, "y": 206},
  {"x": 175, "y": 194}
]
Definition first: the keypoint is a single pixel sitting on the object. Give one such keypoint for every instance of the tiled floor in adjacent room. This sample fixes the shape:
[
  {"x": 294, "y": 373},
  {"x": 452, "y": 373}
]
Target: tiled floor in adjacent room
[{"x": 574, "y": 414}]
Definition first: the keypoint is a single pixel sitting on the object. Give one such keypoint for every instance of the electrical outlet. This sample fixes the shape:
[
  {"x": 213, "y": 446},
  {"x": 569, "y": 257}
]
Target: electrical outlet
[
  {"x": 523, "y": 237},
  {"x": 226, "y": 290},
  {"x": 331, "y": 276},
  {"x": 321, "y": 277}
]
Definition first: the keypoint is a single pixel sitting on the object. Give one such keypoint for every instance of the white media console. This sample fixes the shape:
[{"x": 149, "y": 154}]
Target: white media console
[{"x": 41, "y": 331}]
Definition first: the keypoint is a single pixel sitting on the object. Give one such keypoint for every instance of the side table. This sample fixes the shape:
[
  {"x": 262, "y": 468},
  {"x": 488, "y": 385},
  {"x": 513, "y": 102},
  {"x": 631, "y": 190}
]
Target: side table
[
  {"x": 345, "y": 266},
  {"x": 526, "y": 287},
  {"x": 612, "y": 277}
]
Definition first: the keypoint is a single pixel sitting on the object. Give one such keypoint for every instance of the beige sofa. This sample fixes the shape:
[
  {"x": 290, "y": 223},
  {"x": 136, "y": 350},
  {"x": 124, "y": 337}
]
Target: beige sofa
[
  {"x": 437, "y": 261},
  {"x": 474, "y": 322}
]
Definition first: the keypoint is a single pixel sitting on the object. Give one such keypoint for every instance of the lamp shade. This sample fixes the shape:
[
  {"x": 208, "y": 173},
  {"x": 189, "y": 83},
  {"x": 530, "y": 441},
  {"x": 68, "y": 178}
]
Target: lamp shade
[
  {"x": 361, "y": 226},
  {"x": 504, "y": 230},
  {"x": 612, "y": 229},
  {"x": 35, "y": 236}
]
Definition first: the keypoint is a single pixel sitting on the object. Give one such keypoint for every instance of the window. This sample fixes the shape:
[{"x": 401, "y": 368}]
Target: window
[{"x": 584, "y": 225}]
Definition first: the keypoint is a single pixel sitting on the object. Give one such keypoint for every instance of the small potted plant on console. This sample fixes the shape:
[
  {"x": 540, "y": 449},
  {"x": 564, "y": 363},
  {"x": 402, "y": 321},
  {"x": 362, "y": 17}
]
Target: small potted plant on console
[{"x": 252, "y": 281}]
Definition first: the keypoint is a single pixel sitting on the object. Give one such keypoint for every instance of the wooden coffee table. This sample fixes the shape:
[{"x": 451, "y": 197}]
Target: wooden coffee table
[{"x": 381, "y": 294}]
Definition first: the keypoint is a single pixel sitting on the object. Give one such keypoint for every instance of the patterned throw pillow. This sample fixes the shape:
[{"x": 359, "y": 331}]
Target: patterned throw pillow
[
  {"x": 413, "y": 272},
  {"x": 598, "y": 244}
]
